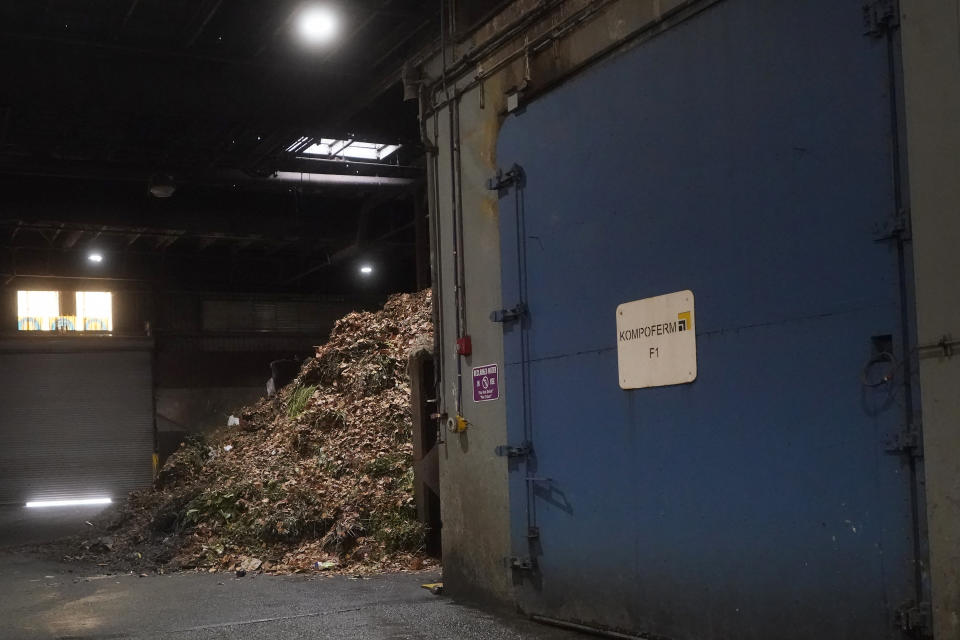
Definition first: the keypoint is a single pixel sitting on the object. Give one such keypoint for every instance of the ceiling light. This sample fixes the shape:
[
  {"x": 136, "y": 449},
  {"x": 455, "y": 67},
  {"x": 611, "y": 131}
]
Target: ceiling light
[
  {"x": 95, "y": 257},
  {"x": 318, "y": 25},
  {"x": 161, "y": 186},
  {"x": 68, "y": 503},
  {"x": 366, "y": 270}
]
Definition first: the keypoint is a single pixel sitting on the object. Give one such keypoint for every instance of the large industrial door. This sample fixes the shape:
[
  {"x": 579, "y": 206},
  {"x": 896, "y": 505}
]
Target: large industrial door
[
  {"x": 745, "y": 155},
  {"x": 76, "y": 419}
]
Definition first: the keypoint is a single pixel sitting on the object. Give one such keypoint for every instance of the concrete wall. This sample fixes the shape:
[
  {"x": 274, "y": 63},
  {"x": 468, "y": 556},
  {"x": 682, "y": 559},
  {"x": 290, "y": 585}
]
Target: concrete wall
[
  {"x": 931, "y": 59},
  {"x": 475, "y": 521},
  {"x": 561, "y": 38}
]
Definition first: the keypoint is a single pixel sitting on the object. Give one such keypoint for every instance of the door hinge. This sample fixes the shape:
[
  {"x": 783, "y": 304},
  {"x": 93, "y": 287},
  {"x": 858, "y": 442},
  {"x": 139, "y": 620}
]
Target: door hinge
[
  {"x": 916, "y": 619},
  {"x": 909, "y": 441},
  {"x": 896, "y": 227},
  {"x": 509, "y": 315},
  {"x": 519, "y": 563},
  {"x": 880, "y": 16},
  {"x": 506, "y": 179},
  {"x": 522, "y": 451}
]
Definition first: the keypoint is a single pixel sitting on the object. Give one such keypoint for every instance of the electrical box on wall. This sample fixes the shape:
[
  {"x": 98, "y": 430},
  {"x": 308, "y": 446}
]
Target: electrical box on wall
[{"x": 464, "y": 346}]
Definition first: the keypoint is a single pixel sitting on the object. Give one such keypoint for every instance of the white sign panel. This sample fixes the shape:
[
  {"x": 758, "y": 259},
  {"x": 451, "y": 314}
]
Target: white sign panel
[{"x": 656, "y": 341}]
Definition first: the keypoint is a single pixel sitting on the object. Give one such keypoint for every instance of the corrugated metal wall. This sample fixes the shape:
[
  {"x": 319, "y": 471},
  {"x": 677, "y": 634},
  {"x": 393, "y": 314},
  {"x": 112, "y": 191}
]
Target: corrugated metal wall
[
  {"x": 74, "y": 423},
  {"x": 745, "y": 155}
]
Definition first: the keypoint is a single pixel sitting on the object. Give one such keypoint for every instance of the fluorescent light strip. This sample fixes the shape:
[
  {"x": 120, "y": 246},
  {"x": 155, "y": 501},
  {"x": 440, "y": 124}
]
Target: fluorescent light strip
[{"x": 67, "y": 503}]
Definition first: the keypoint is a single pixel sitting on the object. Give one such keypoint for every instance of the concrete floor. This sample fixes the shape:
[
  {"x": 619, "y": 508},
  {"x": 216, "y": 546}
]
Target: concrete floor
[{"x": 44, "y": 599}]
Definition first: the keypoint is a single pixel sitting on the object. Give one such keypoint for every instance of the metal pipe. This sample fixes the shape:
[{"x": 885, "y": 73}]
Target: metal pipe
[
  {"x": 436, "y": 258},
  {"x": 360, "y": 163},
  {"x": 557, "y": 32},
  {"x": 227, "y": 177},
  {"x": 455, "y": 239},
  {"x": 429, "y": 147},
  {"x": 459, "y": 213},
  {"x": 574, "y": 626},
  {"x": 330, "y": 179},
  {"x": 432, "y": 153},
  {"x": 466, "y": 63}
]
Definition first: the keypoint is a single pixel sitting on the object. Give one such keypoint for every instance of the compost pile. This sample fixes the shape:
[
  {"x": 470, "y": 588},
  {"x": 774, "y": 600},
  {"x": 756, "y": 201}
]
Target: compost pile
[{"x": 317, "y": 478}]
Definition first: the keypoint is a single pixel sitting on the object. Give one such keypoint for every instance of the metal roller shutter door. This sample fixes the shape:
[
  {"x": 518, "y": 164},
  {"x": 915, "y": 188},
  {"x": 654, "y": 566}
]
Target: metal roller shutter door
[{"x": 74, "y": 424}]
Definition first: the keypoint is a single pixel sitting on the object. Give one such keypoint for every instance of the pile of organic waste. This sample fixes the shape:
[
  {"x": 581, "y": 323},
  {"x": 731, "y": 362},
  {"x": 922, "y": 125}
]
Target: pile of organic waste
[{"x": 317, "y": 478}]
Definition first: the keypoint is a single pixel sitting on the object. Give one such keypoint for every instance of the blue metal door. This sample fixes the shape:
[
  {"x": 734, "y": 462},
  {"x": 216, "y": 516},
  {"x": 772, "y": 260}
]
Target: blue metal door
[{"x": 744, "y": 154}]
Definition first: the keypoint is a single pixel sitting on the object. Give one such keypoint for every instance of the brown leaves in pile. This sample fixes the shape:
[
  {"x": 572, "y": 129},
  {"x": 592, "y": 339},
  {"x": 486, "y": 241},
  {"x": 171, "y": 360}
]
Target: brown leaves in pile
[{"x": 321, "y": 473}]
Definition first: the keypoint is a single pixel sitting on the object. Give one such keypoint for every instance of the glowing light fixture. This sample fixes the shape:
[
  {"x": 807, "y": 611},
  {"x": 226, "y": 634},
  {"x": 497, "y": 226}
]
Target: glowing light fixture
[
  {"x": 95, "y": 257},
  {"x": 366, "y": 270},
  {"x": 318, "y": 25},
  {"x": 39, "y": 504}
]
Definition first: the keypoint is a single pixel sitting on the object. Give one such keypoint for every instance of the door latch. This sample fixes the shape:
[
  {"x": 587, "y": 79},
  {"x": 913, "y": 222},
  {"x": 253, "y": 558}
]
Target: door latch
[
  {"x": 908, "y": 441},
  {"x": 504, "y": 179},
  {"x": 506, "y": 451},
  {"x": 509, "y": 315},
  {"x": 519, "y": 563}
]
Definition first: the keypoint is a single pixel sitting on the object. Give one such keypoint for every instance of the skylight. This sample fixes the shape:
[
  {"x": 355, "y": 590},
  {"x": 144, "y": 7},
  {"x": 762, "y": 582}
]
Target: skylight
[{"x": 349, "y": 150}]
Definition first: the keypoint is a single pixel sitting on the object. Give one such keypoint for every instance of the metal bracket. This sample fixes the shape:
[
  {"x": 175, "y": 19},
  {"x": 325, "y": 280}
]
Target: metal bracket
[
  {"x": 509, "y": 315},
  {"x": 524, "y": 563},
  {"x": 522, "y": 451},
  {"x": 505, "y": 179},
  {"x": 880, "y": 16},
  {"x": 915, "y": 618},
  {"x": 908, "y": 441},
  {"x": 533, "y": 533}
]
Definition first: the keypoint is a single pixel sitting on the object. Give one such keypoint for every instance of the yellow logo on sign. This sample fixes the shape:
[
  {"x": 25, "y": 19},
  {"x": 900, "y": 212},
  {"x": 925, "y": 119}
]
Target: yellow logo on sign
[{"x": 684, "y": 322}]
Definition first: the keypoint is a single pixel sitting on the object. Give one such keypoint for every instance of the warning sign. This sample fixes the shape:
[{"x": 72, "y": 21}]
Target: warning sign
[
  {"x": 656, "y": 341},
  {"x": 486, "y": 383}
]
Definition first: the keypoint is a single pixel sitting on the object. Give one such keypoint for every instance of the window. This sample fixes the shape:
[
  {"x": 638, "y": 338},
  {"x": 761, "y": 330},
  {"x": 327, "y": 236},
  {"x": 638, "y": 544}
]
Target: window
[
  {"x": 333, "y": 149},
  {"x": 59, "y": 311},
  {"x": 94, "y": 311},
  {"x": 36, "y": 310}
]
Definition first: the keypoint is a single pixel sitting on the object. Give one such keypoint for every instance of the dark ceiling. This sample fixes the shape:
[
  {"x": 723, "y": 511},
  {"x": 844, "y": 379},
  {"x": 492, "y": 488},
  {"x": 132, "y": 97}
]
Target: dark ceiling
[
  {"x": 189, "y": 85},
  {"x": 99, "y": 98}
]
